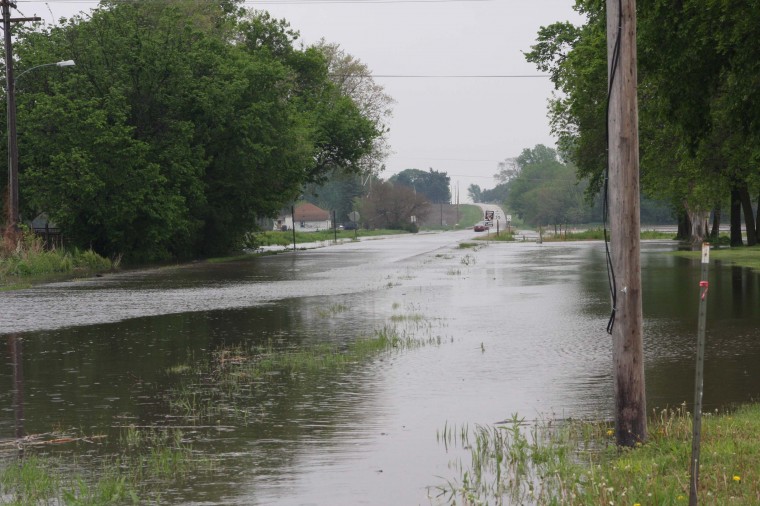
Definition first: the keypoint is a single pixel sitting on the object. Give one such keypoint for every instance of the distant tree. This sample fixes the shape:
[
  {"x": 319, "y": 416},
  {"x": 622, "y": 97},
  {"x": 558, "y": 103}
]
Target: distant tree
[
  {"x": 392, "y": 206},
  {"x": 496, "y": 195},
  {"x": 546, "y": 190},
  {"x": 508, "y": 170},
  {"x": 337, "y": 194},
  {"x": 432, "y": 184},
  {"x": 475, "y": 193}
]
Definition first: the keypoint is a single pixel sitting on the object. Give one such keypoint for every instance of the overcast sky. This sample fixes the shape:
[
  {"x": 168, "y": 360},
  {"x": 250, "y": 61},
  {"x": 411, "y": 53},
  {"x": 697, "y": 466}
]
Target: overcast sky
[{"x": 460, "y": 125}]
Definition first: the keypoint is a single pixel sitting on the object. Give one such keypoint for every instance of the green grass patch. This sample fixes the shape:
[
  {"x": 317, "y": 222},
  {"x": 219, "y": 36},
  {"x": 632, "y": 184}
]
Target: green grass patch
[
  {"x": 285, "y": 238},
  {"x": 577, "y": 463},
  {"x": 467, "y": 245},
  {"x": 41, "y": 264},
  {"x": 597, "y": 234},
  {"x": 24, "y": 258},
  {"x": 502, "y": 236},
  {"x": 656, "y": 235},
  {"x": 742, "y": 256}
]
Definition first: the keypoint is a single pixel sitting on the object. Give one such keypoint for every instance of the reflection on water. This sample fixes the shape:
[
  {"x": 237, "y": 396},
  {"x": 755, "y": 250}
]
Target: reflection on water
[{"x": 521, "y": 329}]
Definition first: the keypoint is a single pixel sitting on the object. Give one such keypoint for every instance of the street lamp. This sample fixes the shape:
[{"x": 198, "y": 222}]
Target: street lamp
[
  {"x": 10, "y": 83},
  {"x": 64, "y": 63}
]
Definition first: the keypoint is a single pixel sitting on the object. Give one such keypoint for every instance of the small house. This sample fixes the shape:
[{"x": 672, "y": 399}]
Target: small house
[{"x": 307, "y": 218}]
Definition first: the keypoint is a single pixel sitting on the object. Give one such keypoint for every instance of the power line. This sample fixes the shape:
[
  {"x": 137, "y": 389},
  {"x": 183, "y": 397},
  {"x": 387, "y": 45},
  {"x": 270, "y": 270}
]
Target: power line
[
  {"x": 284, "y": 2},
  {"x": 457, "y": 76}
]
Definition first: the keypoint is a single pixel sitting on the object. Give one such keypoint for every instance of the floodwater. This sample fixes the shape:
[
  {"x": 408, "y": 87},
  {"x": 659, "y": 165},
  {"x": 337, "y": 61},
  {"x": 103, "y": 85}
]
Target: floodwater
[{"x": 516, "y": 328}]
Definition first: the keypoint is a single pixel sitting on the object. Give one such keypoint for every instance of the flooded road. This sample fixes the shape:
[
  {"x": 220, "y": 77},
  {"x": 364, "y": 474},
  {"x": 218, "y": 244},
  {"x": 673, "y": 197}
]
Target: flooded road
[{"x": 510, "y": 328}]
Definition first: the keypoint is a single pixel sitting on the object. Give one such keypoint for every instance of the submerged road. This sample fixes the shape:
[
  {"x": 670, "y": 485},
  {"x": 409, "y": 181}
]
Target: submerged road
[
  {"x": 348, "y": 267},
  {"x": 505, "y": 328}
]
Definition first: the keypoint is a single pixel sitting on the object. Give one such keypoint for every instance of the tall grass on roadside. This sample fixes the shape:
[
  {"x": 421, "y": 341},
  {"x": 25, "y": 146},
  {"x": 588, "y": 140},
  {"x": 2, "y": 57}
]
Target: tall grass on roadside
[
  {"x": 24, "y": 256},
  {"x": 578, "y": 463}
]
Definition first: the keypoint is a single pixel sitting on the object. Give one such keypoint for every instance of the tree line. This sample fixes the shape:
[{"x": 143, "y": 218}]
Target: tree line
[
  {"x": 383, "y": 203},
  {"x": 542, "y": 189},
  {"x": 699, "y": 106},
  {"x": 181, "y": 124}
]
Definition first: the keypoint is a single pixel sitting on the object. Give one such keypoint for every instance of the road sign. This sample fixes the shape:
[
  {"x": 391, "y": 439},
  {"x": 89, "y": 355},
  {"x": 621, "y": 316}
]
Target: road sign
[
  {"x": 353, "y": 216},
  {"x": 489, "y": 215}
]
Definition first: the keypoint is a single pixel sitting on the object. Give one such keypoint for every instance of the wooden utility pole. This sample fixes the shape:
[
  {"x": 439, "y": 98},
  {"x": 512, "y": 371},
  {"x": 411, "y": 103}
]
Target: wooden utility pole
[
  {"x": 10, "y": 92},
  {"x": 627, "y": 336}
]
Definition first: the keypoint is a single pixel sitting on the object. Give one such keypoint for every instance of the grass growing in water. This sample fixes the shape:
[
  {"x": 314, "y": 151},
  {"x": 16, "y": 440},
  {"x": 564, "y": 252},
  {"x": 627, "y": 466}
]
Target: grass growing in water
[
  {"x": 147, "y": 459},
  {"x": 577, "y": 463},
  {"x": 239, "y": 372},
  {"x": 332, "y": 310}
]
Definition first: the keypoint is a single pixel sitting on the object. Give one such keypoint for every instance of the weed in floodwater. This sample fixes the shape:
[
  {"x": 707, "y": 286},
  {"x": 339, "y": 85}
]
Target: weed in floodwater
[
  {"x": 332, "y": 310},
  {"x": 236, "y": 373},
  {"x": 407, "y": 317},
  {"x": 468, "y": 245},
  {"x": 467, "y": 260},
  {"x": 454, "y": 272},
  {"x": 146, "y": 461}
]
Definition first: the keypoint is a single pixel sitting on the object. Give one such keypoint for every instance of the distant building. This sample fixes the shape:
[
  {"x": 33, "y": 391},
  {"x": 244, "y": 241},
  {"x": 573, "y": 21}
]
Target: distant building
[{"x": 308, "y": 218}]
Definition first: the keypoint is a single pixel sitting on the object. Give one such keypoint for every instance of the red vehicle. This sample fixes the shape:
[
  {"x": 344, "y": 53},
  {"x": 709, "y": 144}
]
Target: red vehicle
[{"x": 480, "y": 227}]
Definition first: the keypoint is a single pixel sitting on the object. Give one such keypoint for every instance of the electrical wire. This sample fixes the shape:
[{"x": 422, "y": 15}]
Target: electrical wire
[{"x": 605, "y": 207}]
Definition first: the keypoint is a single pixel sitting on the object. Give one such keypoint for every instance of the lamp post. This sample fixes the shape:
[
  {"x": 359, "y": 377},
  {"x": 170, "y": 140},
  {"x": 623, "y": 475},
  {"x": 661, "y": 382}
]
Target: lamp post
[{"x": 10, "y": 83}]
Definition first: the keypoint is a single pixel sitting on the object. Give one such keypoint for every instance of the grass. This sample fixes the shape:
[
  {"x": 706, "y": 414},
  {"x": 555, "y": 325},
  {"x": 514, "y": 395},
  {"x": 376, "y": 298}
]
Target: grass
[
  {"x": 285, "y": 238},
  {"x": 147, "y": 459},
  {"x": 502, "y": 236},
  {"x": 597, "y": 234},
  {"x": 332, "y": 310},
  {"x": 218, "y": 391},
  {"x": 24, "y": 258},
  {"x": 469, "y": 215},
  {"x": 743, "y": 256},
  {"x": 577, "y": 463}
]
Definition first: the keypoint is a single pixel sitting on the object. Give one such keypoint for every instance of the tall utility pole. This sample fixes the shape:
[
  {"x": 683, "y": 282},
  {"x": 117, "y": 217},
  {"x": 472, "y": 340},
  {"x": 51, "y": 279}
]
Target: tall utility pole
[
  {"x": 10, "y": 91},
  {"x": 623, "y": 145}
]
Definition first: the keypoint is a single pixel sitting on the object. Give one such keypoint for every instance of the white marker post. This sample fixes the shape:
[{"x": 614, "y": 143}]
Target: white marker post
[{"x": 699, "y": 378}]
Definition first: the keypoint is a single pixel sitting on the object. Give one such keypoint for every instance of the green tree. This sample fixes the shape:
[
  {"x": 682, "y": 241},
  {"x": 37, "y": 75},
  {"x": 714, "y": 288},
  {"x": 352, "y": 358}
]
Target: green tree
[
  {"x": 432, "y": 184},
  {"x": 698, "y": 118},
  {"x": 475, "y": 193},
  {"x": 546, "y": 191},
  {"x": 182, "y": 123}
]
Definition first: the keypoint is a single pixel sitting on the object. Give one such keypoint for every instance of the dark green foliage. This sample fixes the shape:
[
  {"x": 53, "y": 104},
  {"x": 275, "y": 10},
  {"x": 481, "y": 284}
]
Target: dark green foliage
[
  {"x": 545, "y": 191},
  {"x": 181, "y": 124},
  {"x": 699, "y": 119},
  {"x": 432, "y": 184}
]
